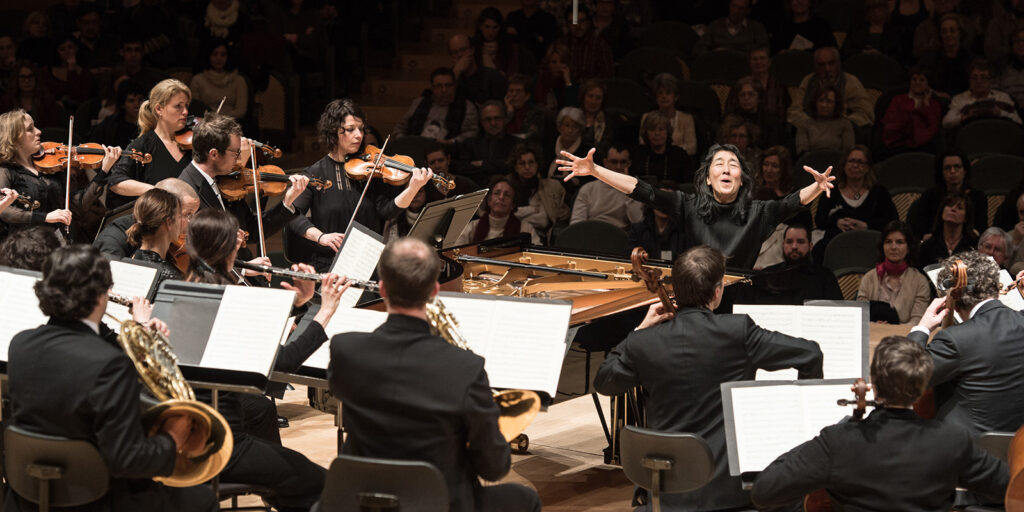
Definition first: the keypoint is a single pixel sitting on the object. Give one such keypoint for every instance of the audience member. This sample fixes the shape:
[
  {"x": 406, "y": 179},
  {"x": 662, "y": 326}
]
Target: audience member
[
  {"x": 801, "y": 29},
  {"x": 666, "y": 94},
  {"x": 775, "y": 180},
  {"x": 540, "y": 201},
  {"x": 825, "y": 127},
  {"x": 36, "y": 45},
  {"x": 8, "y": 57},
  {"x": 98, "y": 48},
  {"x": 122, "y": 126},
  {"x": 906, "y": 15},
  {"x": 224, "y": 19},
  {"x": 874, "y": 34},
  {"x": 735, "y": 32},
  {"x": 613, "y": 27},
  {"x": 1011, "y": 78},
  {"x": 131, "y": 65},
  {"x": 597, "y": 200},
  {"x": 439, "y": 113},
  {"x": 66, "y": 79},
  {"x": 952, "y": 231},
  {"x": 950, "y": 62},
  {"x": 497, "y": 220},
  {"x": 475, "y": 83},
  {"x": 745, "y": 135},
  {"x": 533, "y": 27},
  {"x": 996, "y": 243},
  {"x": 600, "y": 127},
  {"x": 554, "y": 88},
  {"x": 746, "y": 100},
  {"x": 775, "y": 96},
  {"x": 793, "y": 280},
  {"x": 856, "y": 106},
  {"x": 29, "y": 95},
  {"x": 526, "y": 119},
  {"x": 913, "y": 120},
  {"x": 979, "y": 100},
  {"x": 589, "y": 55},
  {"x": 658, "y": 233},
  {"x": 496, "y": 49},
  {"x": 898, "y": 292},
  {"x": 570, "y": 123},
  {"x": 485, "y": 155},
  {"x": 952, "y": 174},
  {"x": 928, "y": 36},
  {"x": 999, "y": 33},
  {"x": 656, "y": 157},
  {"x": 219, "y": 80}
]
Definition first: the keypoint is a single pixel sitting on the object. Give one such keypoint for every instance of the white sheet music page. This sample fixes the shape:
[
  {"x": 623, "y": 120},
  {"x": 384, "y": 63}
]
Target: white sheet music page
[
  {"x": 768, "y": 423},
  {"x": 820, "y": 408},
  {"x": 248, "y": 329},
  {"x": 358, "y": 259},
  {"x": 838, "y": 331},
  {"x": 1013, "y": 298},
  {"x": 345, "y": 320},
  {"x": 475, "y": 318},
  {"x": 19, "y": 308},
  {"x": 129, "y": 281}
]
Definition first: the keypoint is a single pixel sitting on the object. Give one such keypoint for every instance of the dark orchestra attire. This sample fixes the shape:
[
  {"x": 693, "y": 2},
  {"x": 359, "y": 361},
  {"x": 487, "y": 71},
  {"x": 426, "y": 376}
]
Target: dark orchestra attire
[
  {"x": 65, "y": 380},
  {"x": 430, "y": 401},
  {"x": 112, "y": 241},
  {"x": 331, "y": 209},
  {"x": 167, "y": 269},
  {"x": 162, "y": 166},
  {"x": 977, "y": 370},
  {"x": 739, "y": 241},
  {"x": 48, "y": 189},
  {"x": 892, "y": 460},
  {"x": 681, "y": 364}
]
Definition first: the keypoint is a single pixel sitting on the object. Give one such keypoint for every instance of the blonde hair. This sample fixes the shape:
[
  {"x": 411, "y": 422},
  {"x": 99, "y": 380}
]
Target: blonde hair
[
  {"x": 12, "y": 127},
  {"x": 160, "y": 95}
]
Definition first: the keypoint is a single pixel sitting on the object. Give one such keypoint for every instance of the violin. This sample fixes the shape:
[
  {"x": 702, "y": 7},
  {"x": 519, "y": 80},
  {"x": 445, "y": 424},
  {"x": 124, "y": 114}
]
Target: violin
[
  {"x": 1017, "y": 284},
  {"x": 819, "y": 501},
  {"x": 53, "y": 158},
  {"x": 394, "y": 170},
  {"x": 652, "y": 278},
  {"x": 25, "y": 202},
  {"x": 238, "y": 184},
  {"x": 183, "y": 137}
]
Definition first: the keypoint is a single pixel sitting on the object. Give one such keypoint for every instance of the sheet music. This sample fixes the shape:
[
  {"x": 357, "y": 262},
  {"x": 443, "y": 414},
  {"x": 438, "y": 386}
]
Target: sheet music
[
  {"x": 1013, "y": 298},
  {"x": 19, "y": 308},
  {"x": 838, "y": 331},
  {"x": 345, "y": 320},
  {"x": 933, "y": 275},
  {"x": 248, "y": 329},
  {"x": 357, "y": 259},
  {"x": 770, "y": 420},
  {"x": 129, "y": 281},
  {"x": 522, "y": 341}
]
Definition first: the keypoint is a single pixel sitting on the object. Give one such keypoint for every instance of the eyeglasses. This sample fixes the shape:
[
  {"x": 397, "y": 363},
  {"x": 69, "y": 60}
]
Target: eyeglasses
[
  {"x": 237, "y": 152},
  {"x": 952, "y": 167},
  {"x": 857, "y": 161}
]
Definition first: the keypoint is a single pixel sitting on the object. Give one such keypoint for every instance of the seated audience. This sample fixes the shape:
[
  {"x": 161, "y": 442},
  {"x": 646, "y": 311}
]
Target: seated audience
[
  {"x": 952, "y": 231},
  {"x": 952, "y": 174},
  {"x": 26, "y": 93},
  {"x": 497, "y": 220},
  {"x": 532, "y": 27},
  {"x": 775, "y": 180},
  {"x": 898, "y": 292},
  {"x": 1011, "y": 78},
  {"x": 121, "y": 127},
  {"x": 874, "y": 34},
  {"x": 996, "y": 243},
  {"x": 540, "y": 201},
  {"x": 589, "y": 54},
  {"x": 600, "y": 127},
  {"x": 439, "y": 113},
  {"x": 825, "y": 128},
  {"x": 913, "y": 120},
  {"x": 658, "y": 158},
  {"x": 950, "y": 61},
  {"x": 746, "y": 100},
  {"x": 613, "y": 25},
  {"x": 666, "y": 94},
  {"x": 979, "y": 100},
  {"x": 66, "y": 78},
  {"x": 556, "y": 86},
  {"x": 933, "y": 458},
  {"x": 475, "y": 83},
  {"x": 795, "y": 279},
  {"x": 735, "y": 32},
  {"x": 851, "y": 98},
  {"x": 597, "y": 200},
  {"x": 485, "y": 155},
  {"x": 570, "y": 123},
  {"x": 526, "y": 120},
  {"x": 220, "y": 80},
  {"x": 658, "y": 233},
  {"x": 743, "y": 134},
  {"x": 498, "y": 50},
  {"x": 801, "y": 29},
  {"x": 775, "y": 97}
]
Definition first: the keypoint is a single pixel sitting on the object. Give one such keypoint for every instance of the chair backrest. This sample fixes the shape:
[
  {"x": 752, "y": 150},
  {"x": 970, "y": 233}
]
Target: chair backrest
[
  {"x": 642, "y": 64},
  {"x": 914, "y": 170},
  {"x": 692, "y": 463},
  {"x": 720, "y": 66},
  {"x": 78, "y": 473},
  {"x": 791, "y": 66},
  {"x": 354, "y": 484},
  {"x": 997, "y": 174},
  {"x": 852, "y": 249},
  {"x": 990, "y": 136},
  {"x": 997, "y": 444},
  {"x": 904, "y": 198},
  {"x": 849, "y": 281},
  {"x": 670, "y": 35},
  {"x": 702, "y": 99},
  {"x": 412, "y": 145},
  {"x": 624, "y": 94},
  {"x": 819, "y": 160},
  {"x": 840, "y": 14},
  {"x": 594, "y": 236},
  {"x": 876, "y": 71}
]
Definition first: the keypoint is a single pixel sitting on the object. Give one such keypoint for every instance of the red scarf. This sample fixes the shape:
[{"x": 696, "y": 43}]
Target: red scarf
[
  {"x": 483, "y": 226},
  {"x": 888, "y": 267}
]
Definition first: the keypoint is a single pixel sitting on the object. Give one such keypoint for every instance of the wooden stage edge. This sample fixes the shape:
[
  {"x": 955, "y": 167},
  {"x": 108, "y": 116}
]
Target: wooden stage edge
[{"x": 565, "y": 463}]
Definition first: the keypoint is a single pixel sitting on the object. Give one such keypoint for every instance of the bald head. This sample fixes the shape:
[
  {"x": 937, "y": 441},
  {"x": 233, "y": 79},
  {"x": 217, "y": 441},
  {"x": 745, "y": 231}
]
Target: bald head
[
  {"x": 409, "y": 270},
  {"x": 460, "y": 46},
  {"x": 186, "y": 194}
]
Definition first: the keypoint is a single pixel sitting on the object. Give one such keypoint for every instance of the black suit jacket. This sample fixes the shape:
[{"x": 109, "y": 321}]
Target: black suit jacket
[
  {"x": 273, "y": 219},
  {"x": 410, "y": 395},
  {"x": 681, "y": 364},
  {"x": 978, "y": 369},
  {"x": 67, "y": 381},
  {"x": 893, "y": 460}
]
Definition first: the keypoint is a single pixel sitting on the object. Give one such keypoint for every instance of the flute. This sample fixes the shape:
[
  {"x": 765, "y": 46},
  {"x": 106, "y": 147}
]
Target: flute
[{"x": 295, "y": 274}]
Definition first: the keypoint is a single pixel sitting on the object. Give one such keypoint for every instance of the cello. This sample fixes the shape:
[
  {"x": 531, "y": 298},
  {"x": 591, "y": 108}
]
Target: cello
[{"x": 954, "y": 286}]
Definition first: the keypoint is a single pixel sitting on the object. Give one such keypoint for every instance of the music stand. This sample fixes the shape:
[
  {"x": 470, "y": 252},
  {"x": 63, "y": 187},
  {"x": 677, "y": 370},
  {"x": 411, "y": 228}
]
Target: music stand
[{"x": 440, "y": 223}]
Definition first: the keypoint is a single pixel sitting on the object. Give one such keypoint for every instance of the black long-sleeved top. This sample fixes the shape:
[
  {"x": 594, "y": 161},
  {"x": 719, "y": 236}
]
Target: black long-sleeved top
[
  {"x": 48, "y": 189},
  {"x": 681, "y": 364},
  {"x": 113, "y": 240},
  {"x": 331, "y": 209},
  {"x": 162, "y": 166},
  {"x": 892, "y": 460},
  {"x": 739, "y": 242},
  {"x": 876, "y": 210}
]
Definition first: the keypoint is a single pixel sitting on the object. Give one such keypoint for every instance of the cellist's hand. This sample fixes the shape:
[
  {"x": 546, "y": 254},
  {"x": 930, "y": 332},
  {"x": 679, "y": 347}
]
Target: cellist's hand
[
  {"x": 933, "y": 316},
  {"x": 298, "y": 186},
  {"x": 656, "y": 314}
]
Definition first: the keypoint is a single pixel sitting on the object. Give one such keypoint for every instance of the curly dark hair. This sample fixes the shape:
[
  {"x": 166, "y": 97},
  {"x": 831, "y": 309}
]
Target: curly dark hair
[
  {"x": 74, "y": 278},
  {"x": 28, "y": 248},
  {"x": 333, "y": 117},
  {"x": 982, "y": 278},
  {"x": 705, "y": 195}
]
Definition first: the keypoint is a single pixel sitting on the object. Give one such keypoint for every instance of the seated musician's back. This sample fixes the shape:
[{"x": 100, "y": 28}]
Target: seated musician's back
[
  {"x": 70, "y": 378},
  {"x": 410, "y": 395},
  {"x": 893, "y": 459},
  {"x": 682, "y": 362}
]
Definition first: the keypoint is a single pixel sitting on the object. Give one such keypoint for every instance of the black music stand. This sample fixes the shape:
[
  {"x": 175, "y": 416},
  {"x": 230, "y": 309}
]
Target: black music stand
[{"x": 440, "y": 223}]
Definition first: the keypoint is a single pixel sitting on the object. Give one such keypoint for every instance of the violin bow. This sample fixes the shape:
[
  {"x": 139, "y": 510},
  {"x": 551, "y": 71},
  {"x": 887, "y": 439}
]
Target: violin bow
[
  {"x": 222, "y": 100},
  {"x": 376, "y": 165},
  {"x": 67, "y": 187},
  {"x": 259, "y": 207}
]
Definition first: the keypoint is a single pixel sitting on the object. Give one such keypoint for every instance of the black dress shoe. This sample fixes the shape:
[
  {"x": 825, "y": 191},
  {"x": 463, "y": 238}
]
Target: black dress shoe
[{"x": 282, "y": 422}]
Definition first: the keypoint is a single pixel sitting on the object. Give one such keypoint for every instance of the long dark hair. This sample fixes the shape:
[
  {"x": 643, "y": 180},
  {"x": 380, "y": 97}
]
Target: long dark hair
[
  {"x": 952, "y": 199},
  {"x": 705, "y": 197},
  {"x": 898, "y": 226},
  {"x": 940, "y": 181},
  {"x": 212, "y": 239}
]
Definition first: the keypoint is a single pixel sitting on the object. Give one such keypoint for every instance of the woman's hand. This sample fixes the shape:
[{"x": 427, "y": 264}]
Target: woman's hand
[
  {"x": 59, "y": 217},
  {"x": 577, "y": 166},
  {"x": 111, "y": 154},
  {"x": 262, "y": 260},
  {"x": 332, "y": 240},
  {"x": 142, "y": 310},
  {"x": 331, "y": 290},
  {"x": 7, "y": 197},
  {"x": 303, "y": 288},
  {"x": 823, "y": 180}
]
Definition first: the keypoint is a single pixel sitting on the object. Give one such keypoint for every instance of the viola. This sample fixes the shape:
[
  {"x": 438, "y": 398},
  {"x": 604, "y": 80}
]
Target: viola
[
  {"x": 53, "y": 158},
  {"x": 651, "y": 278},
  {"x": 238, "y": 184},
  {"x": 183, "y": 137},
  {"x": 393, "y": 170}
]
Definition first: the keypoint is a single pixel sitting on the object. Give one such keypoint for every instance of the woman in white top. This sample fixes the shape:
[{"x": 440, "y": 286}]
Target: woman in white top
[
  {"x": 220, "y": 80},
  {"x": 497, "y": 221},
  {"x": 540, "y": 200}
]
